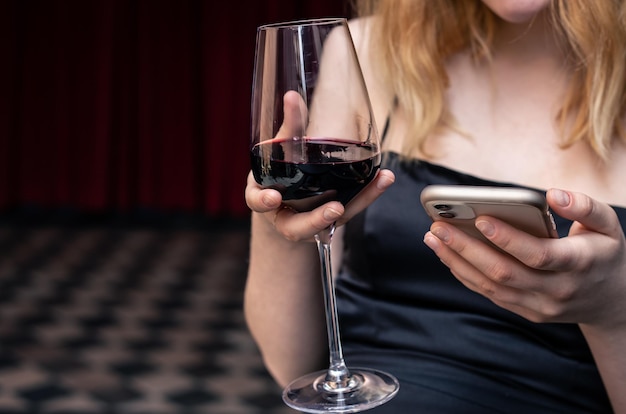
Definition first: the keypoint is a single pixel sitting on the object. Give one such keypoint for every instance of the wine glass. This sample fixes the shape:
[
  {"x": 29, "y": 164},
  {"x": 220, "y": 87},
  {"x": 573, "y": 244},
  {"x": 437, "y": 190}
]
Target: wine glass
[{"x": 314, "y": 139}]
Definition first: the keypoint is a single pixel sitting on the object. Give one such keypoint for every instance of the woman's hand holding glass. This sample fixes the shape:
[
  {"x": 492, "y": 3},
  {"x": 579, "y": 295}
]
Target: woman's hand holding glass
[
  {"x": 296, "y": 226},
  {"x": 304, "y": 225}
]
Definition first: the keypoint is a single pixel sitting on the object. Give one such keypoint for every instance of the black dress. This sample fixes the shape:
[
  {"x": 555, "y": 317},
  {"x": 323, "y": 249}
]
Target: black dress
[{"x": 453, "y": 350}]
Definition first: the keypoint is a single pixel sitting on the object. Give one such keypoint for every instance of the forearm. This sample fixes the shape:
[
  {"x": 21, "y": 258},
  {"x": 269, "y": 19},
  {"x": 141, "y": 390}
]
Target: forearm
[
  {"x": 608, "y": 348},
  {"x": 284, "y": 303}
]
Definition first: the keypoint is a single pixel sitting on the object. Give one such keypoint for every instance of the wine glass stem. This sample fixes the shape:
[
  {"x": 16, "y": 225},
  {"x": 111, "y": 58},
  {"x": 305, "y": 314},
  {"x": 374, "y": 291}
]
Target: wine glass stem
[{"x": 338, "y": 376}]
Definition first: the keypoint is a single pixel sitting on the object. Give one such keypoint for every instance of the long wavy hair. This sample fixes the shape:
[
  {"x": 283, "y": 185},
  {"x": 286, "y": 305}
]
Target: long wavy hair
[{"x": 412, "y": 39}]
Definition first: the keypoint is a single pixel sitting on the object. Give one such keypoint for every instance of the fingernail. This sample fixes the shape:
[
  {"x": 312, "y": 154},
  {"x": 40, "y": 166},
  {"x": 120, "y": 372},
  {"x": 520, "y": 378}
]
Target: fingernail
[
  {"x": 384, "y": 182},
  {"x": 561, "y": 197},
  {"x": 331, "y": 214},
  {"x": 268, "y": 201},
  {"x": 442, "y": 234},
  {"x": 485, "y": 227},
  {"x": 431, "y": 241}
]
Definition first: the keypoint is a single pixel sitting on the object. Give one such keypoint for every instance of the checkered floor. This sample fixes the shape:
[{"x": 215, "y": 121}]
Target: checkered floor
[{"x": 115, "y": 317}]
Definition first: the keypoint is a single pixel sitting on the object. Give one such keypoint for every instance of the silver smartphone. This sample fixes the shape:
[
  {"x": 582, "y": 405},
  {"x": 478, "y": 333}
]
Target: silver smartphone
[{"x": 459, "y": 205}]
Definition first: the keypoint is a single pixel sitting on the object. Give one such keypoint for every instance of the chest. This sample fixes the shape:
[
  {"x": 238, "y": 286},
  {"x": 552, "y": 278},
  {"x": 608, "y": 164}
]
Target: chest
[{"x": 506, "y": 130}]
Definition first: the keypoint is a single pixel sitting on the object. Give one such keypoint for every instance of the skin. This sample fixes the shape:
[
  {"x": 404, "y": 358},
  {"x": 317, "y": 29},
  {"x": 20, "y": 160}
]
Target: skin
[
  {"x": 516, "y": 11},
  {"x": 577, "y": 279}
]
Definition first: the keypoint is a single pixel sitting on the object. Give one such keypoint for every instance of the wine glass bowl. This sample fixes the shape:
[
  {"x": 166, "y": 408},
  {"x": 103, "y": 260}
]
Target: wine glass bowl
[
  {"x": 314, "y": 139},
  {"x": 309, "y": 171}
]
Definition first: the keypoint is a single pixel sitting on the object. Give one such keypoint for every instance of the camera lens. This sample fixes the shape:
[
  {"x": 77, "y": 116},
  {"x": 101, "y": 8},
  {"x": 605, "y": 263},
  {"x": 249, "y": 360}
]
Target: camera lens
[
  {"x": 447, "y": 214},
  {"x": 443, "y": 207}
]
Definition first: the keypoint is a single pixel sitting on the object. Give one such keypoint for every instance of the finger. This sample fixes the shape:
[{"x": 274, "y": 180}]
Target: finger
[
  {"x": 383, "y": 180},
  {"x": 495, "y": 277},
  {"x": 303, "y": 226},
  {"x": 469, "y": 275},
  {"x": 516, "y": 300},
  {"x": 295, "y": 117},
  {"x": 486, "y": 266},
  {"x": 534, "y": 252},
  {"x": 591, "y": 215},
  {"x": 259, "y": 199}
]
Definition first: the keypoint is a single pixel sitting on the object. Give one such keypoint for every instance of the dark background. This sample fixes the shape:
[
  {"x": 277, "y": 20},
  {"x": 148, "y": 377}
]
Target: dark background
[
  {"x": 124, "y": 124},
  {"x": 123, "y": 105}
]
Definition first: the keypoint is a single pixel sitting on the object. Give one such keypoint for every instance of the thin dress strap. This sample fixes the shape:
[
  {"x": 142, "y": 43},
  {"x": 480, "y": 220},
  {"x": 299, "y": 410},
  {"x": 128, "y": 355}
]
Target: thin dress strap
[{"x": 388, "y": 120}]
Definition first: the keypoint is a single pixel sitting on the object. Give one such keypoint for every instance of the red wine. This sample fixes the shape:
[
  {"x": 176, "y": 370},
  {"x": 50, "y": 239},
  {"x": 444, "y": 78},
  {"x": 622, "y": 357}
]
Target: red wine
[{"x": 309, "y": 172}]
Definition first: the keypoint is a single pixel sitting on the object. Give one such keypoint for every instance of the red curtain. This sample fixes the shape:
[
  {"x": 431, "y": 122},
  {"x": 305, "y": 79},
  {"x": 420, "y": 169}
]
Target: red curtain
[{"x": 125, "y": 104}]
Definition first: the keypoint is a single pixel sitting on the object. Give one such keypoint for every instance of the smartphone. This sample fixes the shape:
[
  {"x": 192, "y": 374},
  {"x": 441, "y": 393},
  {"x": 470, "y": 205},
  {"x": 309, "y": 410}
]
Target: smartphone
[{"x": 459, "y": 205}]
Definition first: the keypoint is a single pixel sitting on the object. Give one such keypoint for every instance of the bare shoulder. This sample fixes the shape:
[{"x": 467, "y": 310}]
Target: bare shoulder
[
  {"x": 361, "y": 32},
  {"x": 360, "y": 29}
]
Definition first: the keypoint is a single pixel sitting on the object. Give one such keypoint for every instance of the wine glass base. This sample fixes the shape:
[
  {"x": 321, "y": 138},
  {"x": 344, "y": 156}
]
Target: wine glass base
[{"x": 369, "y": 388}]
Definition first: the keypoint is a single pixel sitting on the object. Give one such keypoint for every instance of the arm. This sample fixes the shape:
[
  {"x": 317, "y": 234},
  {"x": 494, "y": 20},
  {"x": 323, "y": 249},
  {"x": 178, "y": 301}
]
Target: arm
[
  {"x": 608, "y": 347},
  {"x": 605, "y": 328},
  {"x": 576, "y": 279},
  {"x": 283, "y": 302}
]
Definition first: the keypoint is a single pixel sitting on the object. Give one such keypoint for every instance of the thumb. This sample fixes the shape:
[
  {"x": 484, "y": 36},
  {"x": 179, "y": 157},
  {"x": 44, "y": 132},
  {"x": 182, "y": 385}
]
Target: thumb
[
  {"x": 295, "y": 118},
  {"x": 587, "y": 213}
]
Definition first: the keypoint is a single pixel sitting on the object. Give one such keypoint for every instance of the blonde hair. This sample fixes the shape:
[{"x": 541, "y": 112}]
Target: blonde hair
[{"x": 414, "y": 37}]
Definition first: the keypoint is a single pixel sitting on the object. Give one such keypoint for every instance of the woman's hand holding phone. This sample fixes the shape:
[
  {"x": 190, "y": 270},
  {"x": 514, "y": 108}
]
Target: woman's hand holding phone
[{"x": 579, "y": 279}]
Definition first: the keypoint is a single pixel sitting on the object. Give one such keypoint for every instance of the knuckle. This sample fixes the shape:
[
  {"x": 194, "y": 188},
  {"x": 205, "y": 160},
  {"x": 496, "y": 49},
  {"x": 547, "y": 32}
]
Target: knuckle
[
  {"x": 287, "y": 231},
  {"x": 502, "y": 241},
  {"x": 540, "y": 259},
  {"x": 586, "y": 207},
  {"x": 488, "y": 288},
  {"x": 297, "y": 230},
  {"x": 318, "y": 225},
  {"x": 550, "y": 311},
  {"x": 500, "y": 273},
  {"x": 291, "y": 235},
  {"x": 458, "y": 245},
  {"x": 565, "y": 293}
]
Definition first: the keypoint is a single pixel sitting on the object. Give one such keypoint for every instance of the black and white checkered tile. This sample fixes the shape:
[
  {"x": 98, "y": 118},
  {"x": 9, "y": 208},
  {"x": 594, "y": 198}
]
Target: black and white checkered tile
[{"x": 111, "y": 318}]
